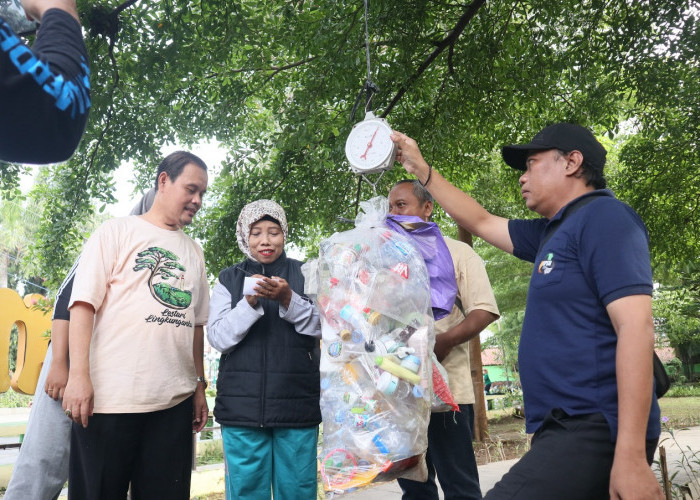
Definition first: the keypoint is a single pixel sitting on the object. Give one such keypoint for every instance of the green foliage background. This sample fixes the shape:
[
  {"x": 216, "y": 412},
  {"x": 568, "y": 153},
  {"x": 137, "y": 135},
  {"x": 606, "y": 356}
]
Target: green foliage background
[{"x": 274, "y": 82}]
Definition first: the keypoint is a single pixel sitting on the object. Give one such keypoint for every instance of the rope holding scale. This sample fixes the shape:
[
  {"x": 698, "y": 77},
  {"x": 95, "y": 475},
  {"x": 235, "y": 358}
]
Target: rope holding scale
[
  {"x": 369, "y": 87},
  {"x": 369, "y": 148}
]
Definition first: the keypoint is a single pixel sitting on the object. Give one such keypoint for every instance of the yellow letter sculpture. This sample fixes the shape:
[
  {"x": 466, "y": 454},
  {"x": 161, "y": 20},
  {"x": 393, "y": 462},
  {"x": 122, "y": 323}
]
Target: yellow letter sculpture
[{"x": 31, "y": 343}]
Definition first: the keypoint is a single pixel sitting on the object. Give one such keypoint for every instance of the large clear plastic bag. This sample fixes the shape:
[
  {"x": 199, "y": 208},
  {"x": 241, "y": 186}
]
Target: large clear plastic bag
[{"x": 373, "y": 292}]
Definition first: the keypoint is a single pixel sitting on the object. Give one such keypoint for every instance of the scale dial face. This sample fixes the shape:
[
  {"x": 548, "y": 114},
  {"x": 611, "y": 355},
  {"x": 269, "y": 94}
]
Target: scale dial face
[{"x": 369, "y": 147}]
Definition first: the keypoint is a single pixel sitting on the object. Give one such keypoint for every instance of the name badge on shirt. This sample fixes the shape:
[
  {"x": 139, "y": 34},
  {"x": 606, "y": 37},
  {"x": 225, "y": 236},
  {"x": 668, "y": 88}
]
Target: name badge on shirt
[{"x": 549, "y": 270}]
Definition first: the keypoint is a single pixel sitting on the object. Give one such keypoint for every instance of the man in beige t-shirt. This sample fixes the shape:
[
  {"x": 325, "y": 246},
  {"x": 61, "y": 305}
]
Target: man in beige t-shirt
[
  {"x": 450, "y": 451},
  {"x": 136, "y": 384}
]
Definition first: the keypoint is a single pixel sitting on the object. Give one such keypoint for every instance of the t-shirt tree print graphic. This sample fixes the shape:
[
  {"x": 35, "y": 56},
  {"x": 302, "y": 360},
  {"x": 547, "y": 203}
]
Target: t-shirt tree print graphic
[{"x": 162, "y": 263}]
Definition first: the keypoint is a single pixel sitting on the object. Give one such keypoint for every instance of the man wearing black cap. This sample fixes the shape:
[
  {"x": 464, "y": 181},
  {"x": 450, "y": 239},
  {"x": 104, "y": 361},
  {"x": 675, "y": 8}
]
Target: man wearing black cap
[{"x": 587, "y": 339}]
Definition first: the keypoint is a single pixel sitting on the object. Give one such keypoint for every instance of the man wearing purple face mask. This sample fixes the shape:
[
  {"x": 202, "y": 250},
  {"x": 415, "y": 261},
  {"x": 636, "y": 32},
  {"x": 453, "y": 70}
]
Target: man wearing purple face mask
[{"x": 450, "y": 453}]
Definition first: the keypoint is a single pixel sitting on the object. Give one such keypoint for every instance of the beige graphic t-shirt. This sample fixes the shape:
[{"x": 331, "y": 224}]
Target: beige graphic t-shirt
[
  {"x": 475, "y": 292},
  {"x": 149, "y": 290}
]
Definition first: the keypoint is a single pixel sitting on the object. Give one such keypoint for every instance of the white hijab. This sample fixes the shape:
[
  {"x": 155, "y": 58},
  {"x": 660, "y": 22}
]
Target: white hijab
[{"x": 252, "y": 213}]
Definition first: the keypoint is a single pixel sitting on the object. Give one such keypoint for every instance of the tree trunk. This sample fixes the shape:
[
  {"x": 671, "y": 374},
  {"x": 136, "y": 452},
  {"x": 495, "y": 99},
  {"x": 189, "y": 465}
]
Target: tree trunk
[
  {"x": 481, "y": 423},
  {"x": 686, "y": 358},
  {"x": 4, "y": 264}
]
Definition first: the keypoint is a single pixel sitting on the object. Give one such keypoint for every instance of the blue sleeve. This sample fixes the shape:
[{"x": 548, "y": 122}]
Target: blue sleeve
[
  {"x": 44, "y": 91},
  {"x": 526, "y": 236},
  {"x": 614, "y": 252}
]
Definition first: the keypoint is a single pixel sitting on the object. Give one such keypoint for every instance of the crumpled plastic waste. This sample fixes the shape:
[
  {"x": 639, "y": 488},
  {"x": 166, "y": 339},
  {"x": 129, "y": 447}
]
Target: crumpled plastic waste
[{"x": 373, "y": 292}]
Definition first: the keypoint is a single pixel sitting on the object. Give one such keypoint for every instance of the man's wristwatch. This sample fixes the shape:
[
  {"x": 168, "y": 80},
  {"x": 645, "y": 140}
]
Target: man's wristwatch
[{"x": 203, "y": 381}]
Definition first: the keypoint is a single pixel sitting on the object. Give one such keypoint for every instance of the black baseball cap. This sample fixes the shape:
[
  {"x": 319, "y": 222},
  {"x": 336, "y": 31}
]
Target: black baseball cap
[{"x": 564, "y": 136}]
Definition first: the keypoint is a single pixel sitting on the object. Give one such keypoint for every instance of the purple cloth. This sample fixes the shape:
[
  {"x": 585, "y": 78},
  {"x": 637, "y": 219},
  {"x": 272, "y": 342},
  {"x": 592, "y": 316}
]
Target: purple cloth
[{"x": 428, "y": 239}]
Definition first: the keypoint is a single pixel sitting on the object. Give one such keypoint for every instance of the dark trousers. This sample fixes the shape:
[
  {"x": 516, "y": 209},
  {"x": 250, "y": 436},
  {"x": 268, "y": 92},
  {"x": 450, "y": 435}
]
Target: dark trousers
[
  {"x": 152, "y": 451},
  {"x": 451, "y": 456},
  {"x": 570, "y": 457}
]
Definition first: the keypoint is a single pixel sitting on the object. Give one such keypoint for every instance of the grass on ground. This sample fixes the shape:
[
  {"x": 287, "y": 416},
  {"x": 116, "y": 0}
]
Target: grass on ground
[
  {"x": 12, "y": 399},
  {"x": 681, "y": 412},
  {"x": 507, "y": 438}
]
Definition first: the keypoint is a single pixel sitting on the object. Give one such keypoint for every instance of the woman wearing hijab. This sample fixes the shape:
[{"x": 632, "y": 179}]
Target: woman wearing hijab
[{"x": 267, "y": 398}]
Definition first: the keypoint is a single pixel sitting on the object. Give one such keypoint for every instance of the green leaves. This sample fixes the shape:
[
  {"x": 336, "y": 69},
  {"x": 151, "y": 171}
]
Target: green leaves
[{"x": 274, "y": 83}]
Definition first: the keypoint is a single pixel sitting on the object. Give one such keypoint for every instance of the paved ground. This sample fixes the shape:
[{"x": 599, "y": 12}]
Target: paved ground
[
  {"x": 489, "y": 474},
  {"x": 682, "y": 454},
  {"x": 682, "y": 457},
  {"x": 682, "y": 442}
]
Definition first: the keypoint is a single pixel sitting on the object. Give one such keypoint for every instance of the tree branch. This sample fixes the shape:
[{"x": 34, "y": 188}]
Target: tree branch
[
  {"x": 111, "y": 34},
  {"x": 123, "y": 6},
  {"x": 445, "y": 43},
  {"x": 275, "y": 69},
  {"x": 110, "y": 109}
]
